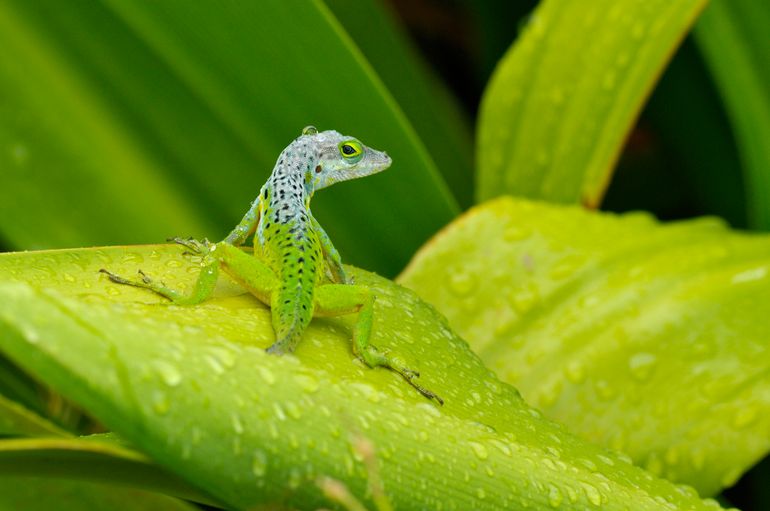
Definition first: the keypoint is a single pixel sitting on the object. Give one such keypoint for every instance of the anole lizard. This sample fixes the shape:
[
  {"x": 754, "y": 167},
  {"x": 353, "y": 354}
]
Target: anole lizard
[{"x": 295, "y": 268}]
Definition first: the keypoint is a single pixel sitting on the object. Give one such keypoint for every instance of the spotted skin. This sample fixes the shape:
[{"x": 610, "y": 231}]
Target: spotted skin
[{"x": 295, "y": 269}]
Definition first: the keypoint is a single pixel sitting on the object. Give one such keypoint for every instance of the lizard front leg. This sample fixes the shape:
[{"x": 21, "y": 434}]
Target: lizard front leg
[
  {"x": 248, "y": 270},
  {"x": 340, "y": 299}
]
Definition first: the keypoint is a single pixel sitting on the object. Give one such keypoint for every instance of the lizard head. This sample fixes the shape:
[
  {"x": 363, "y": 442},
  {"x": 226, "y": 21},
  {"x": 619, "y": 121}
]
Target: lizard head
[{"x": 340, "y": 158}]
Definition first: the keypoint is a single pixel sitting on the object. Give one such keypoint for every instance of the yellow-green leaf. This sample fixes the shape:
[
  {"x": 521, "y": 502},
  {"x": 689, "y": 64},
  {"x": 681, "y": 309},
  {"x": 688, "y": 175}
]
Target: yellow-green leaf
[
  {"x": 557, "y": 109},
  {"x": 648, "y": 338},
  {"x": 193, "y": 388}
]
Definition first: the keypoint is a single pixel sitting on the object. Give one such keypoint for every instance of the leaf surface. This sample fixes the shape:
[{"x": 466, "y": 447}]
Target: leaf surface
[
  {"x": 648, "y": 338},
  {"x": 557, "y": 110},
  {"x": 193, "y": 388}
]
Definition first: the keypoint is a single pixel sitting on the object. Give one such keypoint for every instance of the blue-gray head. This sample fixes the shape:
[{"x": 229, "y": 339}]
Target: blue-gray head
[{"x": 340, "y": 158}]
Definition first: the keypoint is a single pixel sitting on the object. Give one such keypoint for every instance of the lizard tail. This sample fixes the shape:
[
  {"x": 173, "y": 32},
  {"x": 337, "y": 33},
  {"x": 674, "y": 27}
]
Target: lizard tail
[{"x": 286, "y": 342}]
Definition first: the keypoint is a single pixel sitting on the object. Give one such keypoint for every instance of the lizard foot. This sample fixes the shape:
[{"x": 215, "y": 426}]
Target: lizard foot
[{"x": 194, "y": 246}]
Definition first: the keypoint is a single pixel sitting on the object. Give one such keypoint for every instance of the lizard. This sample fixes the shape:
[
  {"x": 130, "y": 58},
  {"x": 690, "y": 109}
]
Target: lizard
[{"x": 295, "y": 269}]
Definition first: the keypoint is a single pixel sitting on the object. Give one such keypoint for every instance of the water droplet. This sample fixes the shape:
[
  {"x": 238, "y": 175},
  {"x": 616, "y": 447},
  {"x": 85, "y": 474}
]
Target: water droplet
[
  {"x": 280, "y": 414},
  {"x": 744, "y": 417},
  {"x": 479, "y": 450},
  {"x": 168, "y": 373},
  {"x": 462, "y": 281},
  {"x": 259, "y": 463},
  {"x": 237, "y": 424},
  {"x": 525, "y": 298},
  {"x": 642, "y": 365},
  {"x": 575, "y": 371},
  {"x": 160, "y": 402},
  {"x": 554, "y": 496},
  {"x": 728, "y": 478},
  {"x": 307, "y": 382},
  {"x": 604, "y": 390},
  {"x": 293, "y": 410},
  {"x": 481, "y": 493},
  {"x": 266, "y": 375},
  {"x": 593, "y": 495},
  {"x": 749, "y": 275}
]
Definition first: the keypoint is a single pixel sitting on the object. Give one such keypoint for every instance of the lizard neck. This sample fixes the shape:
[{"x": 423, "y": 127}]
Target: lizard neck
[{"x": 290, "y": 186}]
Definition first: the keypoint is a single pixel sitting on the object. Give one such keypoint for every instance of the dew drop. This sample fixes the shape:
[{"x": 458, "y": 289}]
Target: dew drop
[
  {"x": 160, "y": 402},
  {"x": 462, "y": 282},
  {"x": 259, "y": 463},
  {"x": 744, "y": 417},
  {"x": 266, "y": 375},
  {"x": 593, "y": 495},
  {"x": 479, "y": 450},
  {"x": 293, "y": 410},
  {"x": 642, "y": 365},
  {"x": 307, "y": 383},
  {"x": 237, "y": 424},
  {"x": 168, "y": 373},
  {"x": 575, "y": 371},
  {"x": 555, "y": 496}
]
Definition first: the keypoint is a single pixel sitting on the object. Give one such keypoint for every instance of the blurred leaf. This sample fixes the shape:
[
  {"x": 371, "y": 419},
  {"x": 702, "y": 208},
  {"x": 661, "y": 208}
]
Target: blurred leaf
[
  {"x": 431, "y": 109},
  {"x": 33, "y": 494},
  {"x": 557, "y": 110},
  {"x": 681, "y": 159},
  {"x": 193, "y": 387},
  {"x": 733, "y": 38},
  {"x": 18, "y": 387},
  {"x": 17, "y": 420},
  {"x": 163, "y": 118},
  {"x": 84, "y": 459},
  {"x": 648, "y": 338}
]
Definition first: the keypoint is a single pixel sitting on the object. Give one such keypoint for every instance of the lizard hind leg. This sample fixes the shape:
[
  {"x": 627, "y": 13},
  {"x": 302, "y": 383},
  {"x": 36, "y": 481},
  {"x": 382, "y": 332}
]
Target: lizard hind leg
[
  {"x": 202, "y": 289},
  {"x": 340, "y": 299}
]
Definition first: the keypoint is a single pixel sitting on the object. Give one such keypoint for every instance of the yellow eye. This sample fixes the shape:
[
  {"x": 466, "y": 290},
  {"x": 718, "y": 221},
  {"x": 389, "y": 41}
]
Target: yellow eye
[{"x": 351, "y": 150}]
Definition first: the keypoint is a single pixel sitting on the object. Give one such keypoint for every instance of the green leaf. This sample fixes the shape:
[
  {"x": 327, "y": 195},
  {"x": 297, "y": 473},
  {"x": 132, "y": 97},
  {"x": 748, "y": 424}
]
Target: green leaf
[
  {"x": 98, "y": 459},
  {"x": 557, "y": 110},
  {"x": 427, "y": 103},
  {"x": 17, "y": 420},
  {"x": 193, "y": 388},
  {"x": 165, "y": 118},
  {"x": 733, "y": 38},
  {"x": 39, "y": 494},
  {"x": 643, "y": 337}
]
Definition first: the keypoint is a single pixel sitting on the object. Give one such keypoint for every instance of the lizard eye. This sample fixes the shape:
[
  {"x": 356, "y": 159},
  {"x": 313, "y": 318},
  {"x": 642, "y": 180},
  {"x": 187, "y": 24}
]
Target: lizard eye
[{"x": 351, "y": 151}]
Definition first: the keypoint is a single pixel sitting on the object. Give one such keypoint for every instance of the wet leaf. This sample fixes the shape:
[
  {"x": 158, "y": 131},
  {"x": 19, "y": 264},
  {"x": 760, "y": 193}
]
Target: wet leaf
[
  {"x": 647, "y": 338},
  {"x": 193, "y": 388}
]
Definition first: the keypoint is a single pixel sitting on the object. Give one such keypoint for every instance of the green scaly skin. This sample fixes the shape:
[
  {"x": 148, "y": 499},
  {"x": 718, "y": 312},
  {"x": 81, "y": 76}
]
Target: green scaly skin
[{"x": 295, "y": 268}]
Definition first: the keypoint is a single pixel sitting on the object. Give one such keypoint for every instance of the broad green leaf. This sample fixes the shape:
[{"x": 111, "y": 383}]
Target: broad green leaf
[
  {"x": 557, "y": 110},
  {"x": 41, "y": 494},
  {"x": 15, "y": 419},
  {"x": 94, "y": 460},
  {"x": 733, "y": 38},
  {"x": 165, "y": 118},
  {"x": 431, "y": 109},
  {"x": 193, "y": 388},
  {"x": 648, "y": 338}
]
